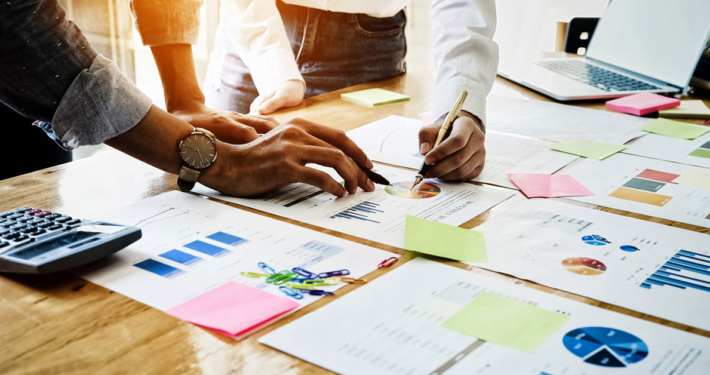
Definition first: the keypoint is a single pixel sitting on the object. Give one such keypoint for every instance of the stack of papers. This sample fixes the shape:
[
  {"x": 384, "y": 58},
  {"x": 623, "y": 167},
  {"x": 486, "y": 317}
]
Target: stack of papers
[{"x": 374, "y": 97}]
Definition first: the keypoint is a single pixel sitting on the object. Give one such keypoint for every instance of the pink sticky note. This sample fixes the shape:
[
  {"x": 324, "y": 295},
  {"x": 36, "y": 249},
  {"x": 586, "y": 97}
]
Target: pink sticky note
[
  {"x": 641, "y": 104},
  {"x": 426, "y": 118},
  {"x": 233, "y": 309},
  {"x": 536, "y": 185}
]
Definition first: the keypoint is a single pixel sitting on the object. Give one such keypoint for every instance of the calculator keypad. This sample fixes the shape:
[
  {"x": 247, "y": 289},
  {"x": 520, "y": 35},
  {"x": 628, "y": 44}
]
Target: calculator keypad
[{"x": 27, "y": 224}]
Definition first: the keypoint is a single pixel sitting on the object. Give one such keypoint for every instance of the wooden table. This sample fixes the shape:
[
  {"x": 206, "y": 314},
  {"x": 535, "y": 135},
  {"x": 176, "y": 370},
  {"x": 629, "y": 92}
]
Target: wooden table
[{"x": 63, "y": 324}]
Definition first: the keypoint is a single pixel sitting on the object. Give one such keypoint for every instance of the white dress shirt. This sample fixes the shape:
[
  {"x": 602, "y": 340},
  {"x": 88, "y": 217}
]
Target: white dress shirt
[{"x": 465, "y": 56}]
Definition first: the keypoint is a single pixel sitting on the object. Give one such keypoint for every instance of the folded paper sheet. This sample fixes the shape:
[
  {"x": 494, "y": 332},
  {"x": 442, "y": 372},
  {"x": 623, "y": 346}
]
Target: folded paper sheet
[
  {"x": 444, "y": 240},
  {"x": 506, "y": 322},
  {"x": 537, "y": 185},
  {"x": 675, "y": 129},
  {"x": 642, "y": 104},
  {"x": 233, "y": 309},
  {"x": 587, "y": 148},
  {"x": 374, "y": 97}
]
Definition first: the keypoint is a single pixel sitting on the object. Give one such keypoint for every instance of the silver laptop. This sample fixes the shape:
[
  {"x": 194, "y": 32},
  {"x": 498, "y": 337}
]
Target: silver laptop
[{"x": 638, "y": 46}]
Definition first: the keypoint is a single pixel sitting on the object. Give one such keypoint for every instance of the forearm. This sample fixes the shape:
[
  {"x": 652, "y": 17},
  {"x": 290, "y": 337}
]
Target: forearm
[
  {"x": 177, "y": 73},
  {"x": 155, "y": 141}
]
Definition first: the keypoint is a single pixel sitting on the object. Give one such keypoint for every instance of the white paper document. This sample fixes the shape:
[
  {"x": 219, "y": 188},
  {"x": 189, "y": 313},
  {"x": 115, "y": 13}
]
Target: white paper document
[
  {"x": 651, "y": 268},
  {"x": 559, "y": 122},
  {"x": 191, "y": 245},
  {"x": 379, "y": 215},
  {"x": 393, "y": 325},
  {"x": 692, "y": 152},
  {"x": 645, "y": 186},
  {"x": 395, "y": 140}
]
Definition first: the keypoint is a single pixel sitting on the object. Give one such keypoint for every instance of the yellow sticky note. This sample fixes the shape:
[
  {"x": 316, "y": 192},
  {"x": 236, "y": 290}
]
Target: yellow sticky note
[
  {"x": 373, "y": 97},
  {"x": 675, "y": 129},
  {"x": 696, "y": 177},
  {"x": 506, "y": 322},
  {"x": 587, "y": 148},
  {"x": 687, "y": 109},
  {"x": 444, "y": 240}
]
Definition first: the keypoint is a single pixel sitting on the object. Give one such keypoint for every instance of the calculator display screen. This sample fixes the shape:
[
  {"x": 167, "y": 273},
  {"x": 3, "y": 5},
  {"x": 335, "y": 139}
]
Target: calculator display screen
[{"x": 42, "y": 248}]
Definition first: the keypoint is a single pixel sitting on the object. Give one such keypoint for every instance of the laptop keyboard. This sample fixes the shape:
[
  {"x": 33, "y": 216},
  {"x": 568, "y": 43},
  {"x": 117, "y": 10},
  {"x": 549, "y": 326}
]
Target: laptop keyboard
[{"x": 595, "y": 76}]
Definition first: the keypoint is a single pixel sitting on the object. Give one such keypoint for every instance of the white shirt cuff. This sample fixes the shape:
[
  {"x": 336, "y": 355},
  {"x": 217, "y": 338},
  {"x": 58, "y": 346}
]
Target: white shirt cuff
[
  {"x": 273, "y": 67},
  {"x": 445, "y": 97}
]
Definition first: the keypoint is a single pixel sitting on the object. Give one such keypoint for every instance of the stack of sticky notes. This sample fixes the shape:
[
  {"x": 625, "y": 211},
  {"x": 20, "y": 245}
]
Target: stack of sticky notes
[
  {"x": 687, "y": 109},
  {"x": 233, "y": 309},
  {"x": 374, "y": 97},
  {"x": 642, "y": 104}
]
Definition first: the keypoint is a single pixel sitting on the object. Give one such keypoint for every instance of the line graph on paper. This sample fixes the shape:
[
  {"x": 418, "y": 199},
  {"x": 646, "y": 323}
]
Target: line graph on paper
[{"x": 166, "y": 214}]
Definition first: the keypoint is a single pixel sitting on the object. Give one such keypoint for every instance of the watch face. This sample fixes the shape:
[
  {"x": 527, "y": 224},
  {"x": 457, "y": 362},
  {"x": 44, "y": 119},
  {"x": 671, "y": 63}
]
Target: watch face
[{"x": 198, "y": 151}]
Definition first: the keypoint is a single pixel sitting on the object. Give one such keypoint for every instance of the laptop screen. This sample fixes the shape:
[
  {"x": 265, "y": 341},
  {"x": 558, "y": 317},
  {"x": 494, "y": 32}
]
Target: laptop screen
[{"x": 661, "y": 39}]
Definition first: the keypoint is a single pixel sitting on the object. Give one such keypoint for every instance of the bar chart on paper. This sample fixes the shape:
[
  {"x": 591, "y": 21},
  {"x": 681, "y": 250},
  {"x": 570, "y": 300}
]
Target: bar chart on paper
[
  {"x": 645, "y": 186},
  {"x": 685, "y": 270},
  {"x": 647, "y": 267},
  {"x": 364, "y": 211}
]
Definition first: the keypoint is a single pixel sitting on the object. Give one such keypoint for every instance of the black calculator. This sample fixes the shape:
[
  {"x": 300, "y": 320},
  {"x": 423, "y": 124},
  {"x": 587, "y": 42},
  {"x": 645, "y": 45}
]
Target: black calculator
[{"x": 39, "y": 241}]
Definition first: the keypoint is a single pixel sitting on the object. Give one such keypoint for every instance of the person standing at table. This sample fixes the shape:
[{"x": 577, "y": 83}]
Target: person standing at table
[
  {"x": 270, "y": 54},
  {"x": 50, "y": 72}
]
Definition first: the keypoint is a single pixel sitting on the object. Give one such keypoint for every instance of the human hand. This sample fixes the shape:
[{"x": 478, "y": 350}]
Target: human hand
[
  {"x": 286, "y": 94},
  {"x": 280, "y": 157},
  {"x": 230, "y": 127},
  {"x": 459, "y": 157}
]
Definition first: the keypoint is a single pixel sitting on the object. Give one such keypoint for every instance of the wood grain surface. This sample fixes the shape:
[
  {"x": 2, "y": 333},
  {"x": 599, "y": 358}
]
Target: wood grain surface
[{"x": 62, "y": 324}]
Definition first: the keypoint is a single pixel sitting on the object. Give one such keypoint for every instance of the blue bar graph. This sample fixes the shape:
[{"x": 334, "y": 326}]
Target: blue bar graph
[
  {"x": 181, "y": 257},
  {"x": 226, "y": 238},
  {"x": 682, "y": 272},
  {"x": 160, "y": 269},
  {"x": 361, "y": 211},
  {"x": 206, "y": 248}
]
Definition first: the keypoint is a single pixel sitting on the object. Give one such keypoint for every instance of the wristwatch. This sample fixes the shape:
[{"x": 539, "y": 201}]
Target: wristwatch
[{"x": 198, "y": 151}]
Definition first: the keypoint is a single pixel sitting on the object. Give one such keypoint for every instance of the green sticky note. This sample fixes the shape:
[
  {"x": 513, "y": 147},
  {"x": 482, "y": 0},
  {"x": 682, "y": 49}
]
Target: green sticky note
[
  {"x": 444, "y": 240},
  {"x": 675, "y": 129},
  {"x": 587, "y": 148},
  {"x": 506, "y": 322},
  {"x": 373, "y": 97}
]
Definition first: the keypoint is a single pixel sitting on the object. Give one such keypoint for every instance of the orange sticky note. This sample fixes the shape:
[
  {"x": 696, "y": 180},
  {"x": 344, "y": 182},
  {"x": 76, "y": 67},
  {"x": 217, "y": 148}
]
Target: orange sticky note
[
  {"x": 641, "y": 104},
  {"x": 233, "y": 309}
]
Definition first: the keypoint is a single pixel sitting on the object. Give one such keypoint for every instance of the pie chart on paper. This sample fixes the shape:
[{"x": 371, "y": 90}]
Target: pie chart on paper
[
  {"x": 404, "y": 190},
  {"x": 595, "y": 240},
  {"x": 605, "y": 347},
  {"x": 584, "y": 266}
]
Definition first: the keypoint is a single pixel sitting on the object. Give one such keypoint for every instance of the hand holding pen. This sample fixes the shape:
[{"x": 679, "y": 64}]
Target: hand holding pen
[{"x": 461, "y": 155}]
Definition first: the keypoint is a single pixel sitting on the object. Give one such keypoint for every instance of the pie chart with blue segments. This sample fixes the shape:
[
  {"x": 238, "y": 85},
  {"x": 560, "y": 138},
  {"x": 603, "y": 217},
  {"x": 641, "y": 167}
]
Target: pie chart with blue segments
[
  {"x": 606, "y": 347},
  {"x": 629, "y": 248},
  {"x": 595, "y": 240}
]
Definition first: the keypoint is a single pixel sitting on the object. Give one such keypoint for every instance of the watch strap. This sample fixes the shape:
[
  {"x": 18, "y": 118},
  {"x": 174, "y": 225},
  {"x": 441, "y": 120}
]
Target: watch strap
[{"x": 187, "y": 178}]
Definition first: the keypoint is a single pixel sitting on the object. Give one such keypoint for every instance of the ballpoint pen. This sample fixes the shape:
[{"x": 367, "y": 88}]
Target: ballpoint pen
[{"x": 442, "y": 134}]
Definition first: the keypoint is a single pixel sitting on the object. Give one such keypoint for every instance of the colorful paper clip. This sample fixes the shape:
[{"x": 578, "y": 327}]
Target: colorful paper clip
[
  {"x": 300, "y": 286},
  {"x": 281, "y": 277},
  {"x": 304, "y": 273},
  {"x": 291, "y": 292},
  {"x": 387, "y": 262},
  {"x": 324, "y": 275},
  {"x": 351, "y": 280},
  {"x": 253, "y": 274},
  {"x": 266, "y": 268},
  {"x": 318, "y": 292},
  {"x": 322, "y": 282}
]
